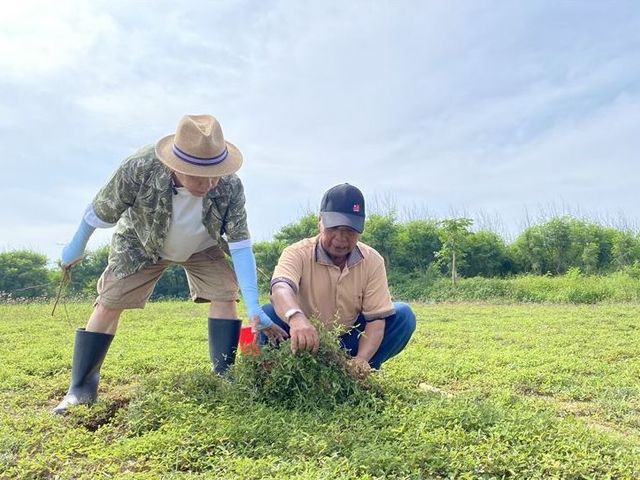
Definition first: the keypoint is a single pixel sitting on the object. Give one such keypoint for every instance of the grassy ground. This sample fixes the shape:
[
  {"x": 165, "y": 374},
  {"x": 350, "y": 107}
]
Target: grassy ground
[{"x": 482, "y": 391}]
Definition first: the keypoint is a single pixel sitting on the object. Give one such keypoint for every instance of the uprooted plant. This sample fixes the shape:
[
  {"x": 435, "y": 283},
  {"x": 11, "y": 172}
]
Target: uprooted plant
[{"x": 323, "y": 379}]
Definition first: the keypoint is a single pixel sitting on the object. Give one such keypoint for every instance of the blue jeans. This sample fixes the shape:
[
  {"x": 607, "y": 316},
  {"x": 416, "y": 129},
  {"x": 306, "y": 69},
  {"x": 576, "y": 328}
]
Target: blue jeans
[{"x": 397, "y": 332}]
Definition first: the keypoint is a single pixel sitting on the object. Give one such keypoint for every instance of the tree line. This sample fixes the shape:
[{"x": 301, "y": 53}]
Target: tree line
[{"x": 415, "y": 251}]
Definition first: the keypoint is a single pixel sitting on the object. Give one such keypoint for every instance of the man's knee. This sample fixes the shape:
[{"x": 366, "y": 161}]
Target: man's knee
[
  {"x": 223, "y": 310},
  {"x": 405, "y": 316},
  {"x": 273, "y": 315},
  {"x": 104, "y": 319},
  {"x": 106, "y": 312},
  {"x": 270, "y": 311}
]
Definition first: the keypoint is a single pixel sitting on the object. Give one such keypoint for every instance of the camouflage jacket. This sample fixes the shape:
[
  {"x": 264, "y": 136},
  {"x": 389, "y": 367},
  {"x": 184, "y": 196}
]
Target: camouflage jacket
[{"x": 138, "y": 197}]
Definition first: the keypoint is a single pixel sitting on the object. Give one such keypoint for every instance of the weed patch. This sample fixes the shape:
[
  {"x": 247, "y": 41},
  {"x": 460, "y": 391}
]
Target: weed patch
[{"x": 280, "y": 378}]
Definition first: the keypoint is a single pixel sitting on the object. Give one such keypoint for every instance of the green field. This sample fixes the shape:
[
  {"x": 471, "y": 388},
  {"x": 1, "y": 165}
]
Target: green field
[{"x": 482, "y": 391}]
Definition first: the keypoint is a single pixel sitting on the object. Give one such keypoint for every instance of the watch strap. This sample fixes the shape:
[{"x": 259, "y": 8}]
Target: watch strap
[{"x": 291, "y": 312}]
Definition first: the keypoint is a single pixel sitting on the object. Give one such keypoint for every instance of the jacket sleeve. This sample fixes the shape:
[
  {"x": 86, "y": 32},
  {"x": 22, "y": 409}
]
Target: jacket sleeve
[
  {"x": 235, "y": 218},
  {"x": 118, "y": 194}
]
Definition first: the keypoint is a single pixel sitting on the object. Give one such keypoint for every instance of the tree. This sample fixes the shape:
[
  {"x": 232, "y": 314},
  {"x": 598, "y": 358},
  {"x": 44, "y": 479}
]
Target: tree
[
  {"x": 306, "y": 227},
  {"x": 453, "y": 235},
  {"x": 528, "y": 252},
  {"x": 566, "y": 242},
  {"x": 267, "y": 255},
  {"x": 24, "y": 273},
  {"x": 485, "y": 255},
  {"x": 558, "y": 233},
  {"x": 415, "y": 246},
  {"x": 590, "y": 258},
  {"x": 381, "y": 233},
  {"x": 625, "y": 250}
]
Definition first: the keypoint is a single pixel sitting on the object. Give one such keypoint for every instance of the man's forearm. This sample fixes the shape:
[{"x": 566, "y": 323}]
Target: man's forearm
[
  {"x": 72, "y": 252},
  {"x": 371, "y": 339},
  {"x": 283, "y": 299},
  {"x": 304, "y": 335}
]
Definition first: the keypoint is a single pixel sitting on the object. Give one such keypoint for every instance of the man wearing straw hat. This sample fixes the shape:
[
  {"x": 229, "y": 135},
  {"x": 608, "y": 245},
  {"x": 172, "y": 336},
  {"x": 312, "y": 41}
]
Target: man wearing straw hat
[
  {"x": 337, "y": 278},
  {"x": 171, "y": 203}
]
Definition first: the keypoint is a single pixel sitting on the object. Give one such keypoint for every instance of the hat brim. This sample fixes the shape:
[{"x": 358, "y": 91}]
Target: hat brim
[
  {"x": 231, "y": 164},
  {"x": 337, "y": 219}
]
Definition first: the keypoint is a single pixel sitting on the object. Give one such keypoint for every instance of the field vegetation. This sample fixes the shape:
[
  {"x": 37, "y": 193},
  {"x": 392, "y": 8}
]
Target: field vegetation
[
  {"x": 525, "y": 364},
  {"x": 424, "y": 258},
  {"x": 482, "y": 391}
]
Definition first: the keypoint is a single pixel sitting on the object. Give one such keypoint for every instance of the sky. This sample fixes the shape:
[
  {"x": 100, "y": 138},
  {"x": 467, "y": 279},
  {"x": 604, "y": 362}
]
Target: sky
[{"x": 503, "y": 111}]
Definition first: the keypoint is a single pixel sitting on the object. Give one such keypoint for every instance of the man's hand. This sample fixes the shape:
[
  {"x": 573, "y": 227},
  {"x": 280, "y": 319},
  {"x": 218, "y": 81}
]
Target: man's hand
[
  {"x": 71, "y": 255},
  {"x": 304, "y": 335},
  {"x": 263, "y": 324},
  {"x": 359, "y": 368}
]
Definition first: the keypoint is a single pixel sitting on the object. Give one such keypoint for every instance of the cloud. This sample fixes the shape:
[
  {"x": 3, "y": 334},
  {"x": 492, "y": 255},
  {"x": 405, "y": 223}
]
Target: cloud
[
  {"x": 39, "y": 39},
  {"x": 442, "y": 106}
]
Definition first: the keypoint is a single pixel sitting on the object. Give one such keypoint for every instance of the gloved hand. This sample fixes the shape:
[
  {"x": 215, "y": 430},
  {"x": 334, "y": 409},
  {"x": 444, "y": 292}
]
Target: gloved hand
[
  {"x": 261, "y": 322},
  {"x": 264, "y": 321},
  {"x": 73, "y": 251}
]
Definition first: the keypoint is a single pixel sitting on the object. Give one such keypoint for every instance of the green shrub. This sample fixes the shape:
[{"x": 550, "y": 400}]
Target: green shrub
[
  {"x": 415, "y": 285},
  {"x": 574, "y": 287}
]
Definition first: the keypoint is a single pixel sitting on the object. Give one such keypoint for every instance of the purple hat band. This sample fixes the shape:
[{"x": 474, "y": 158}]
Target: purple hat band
[{"x": 182, "y": 155}]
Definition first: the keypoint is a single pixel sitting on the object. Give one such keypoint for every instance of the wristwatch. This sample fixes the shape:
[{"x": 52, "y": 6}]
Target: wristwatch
[{"x": 291, "y": 312}]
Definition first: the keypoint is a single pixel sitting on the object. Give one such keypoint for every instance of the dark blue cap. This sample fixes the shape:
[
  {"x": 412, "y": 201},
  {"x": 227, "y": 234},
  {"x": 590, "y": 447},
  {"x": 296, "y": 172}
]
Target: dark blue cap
[{"x": 343, "y": 206}]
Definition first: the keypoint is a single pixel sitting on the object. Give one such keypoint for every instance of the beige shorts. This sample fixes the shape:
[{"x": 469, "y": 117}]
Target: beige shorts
[{"x": 210, "y": 277}]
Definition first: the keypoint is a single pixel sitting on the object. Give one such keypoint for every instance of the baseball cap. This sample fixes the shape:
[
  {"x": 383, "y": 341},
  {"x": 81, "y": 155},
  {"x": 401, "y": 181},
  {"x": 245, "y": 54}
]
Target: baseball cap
[{"x": 343, "y": 206}]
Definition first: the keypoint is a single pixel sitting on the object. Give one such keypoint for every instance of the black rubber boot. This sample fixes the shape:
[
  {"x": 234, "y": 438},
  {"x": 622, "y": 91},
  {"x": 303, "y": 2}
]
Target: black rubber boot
[
  {"x": 88, "y": 354},
  {"x": 223, "y": 343}
]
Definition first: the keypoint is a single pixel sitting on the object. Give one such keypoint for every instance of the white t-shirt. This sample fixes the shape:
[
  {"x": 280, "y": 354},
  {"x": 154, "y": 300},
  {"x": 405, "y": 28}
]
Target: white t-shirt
[{"x": 187, "y": 235}]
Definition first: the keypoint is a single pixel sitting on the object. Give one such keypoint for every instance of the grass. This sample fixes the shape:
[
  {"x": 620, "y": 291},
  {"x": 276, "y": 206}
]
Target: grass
[{"x": 482, "y": 391}]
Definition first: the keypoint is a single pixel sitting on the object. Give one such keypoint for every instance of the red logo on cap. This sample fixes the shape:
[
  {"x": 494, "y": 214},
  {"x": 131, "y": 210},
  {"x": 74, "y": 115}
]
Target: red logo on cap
[{"x": 356, "y": 207}]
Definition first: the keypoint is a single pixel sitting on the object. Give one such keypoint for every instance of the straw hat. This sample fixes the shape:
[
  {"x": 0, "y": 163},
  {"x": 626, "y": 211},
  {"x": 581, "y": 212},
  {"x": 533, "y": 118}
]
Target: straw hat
[{"x": 198, "y": 148}]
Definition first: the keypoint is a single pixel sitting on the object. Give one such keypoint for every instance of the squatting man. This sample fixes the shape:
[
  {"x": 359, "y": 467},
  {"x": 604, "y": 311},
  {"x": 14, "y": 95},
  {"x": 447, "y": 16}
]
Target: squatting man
[{"x": 335, "y": 277}]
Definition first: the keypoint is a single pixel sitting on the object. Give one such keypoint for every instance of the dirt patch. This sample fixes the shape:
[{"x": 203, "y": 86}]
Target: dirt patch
[{"x": 103, "y": 416}]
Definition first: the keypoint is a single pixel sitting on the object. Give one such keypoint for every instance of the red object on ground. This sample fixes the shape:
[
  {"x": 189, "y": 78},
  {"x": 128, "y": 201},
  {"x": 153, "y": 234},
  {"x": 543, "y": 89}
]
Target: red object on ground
[{"x": 248, "y": 341}]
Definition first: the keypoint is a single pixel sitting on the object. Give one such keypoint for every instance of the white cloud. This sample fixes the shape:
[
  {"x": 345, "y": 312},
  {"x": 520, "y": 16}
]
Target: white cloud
[
  {"x": 39, "y": 38},
  {"x": 444, "y": 106}
]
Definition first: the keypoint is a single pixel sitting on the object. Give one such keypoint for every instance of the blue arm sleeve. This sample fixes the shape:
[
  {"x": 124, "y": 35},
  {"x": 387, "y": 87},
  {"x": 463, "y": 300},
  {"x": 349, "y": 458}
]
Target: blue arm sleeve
[
  {"x": 244, "y": 264},
  {"x": 73, "y": 251}
]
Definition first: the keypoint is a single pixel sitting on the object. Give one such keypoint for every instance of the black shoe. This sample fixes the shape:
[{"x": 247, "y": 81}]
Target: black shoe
[
  {"x": 223, "y": 343},
  {"x": 88, "y": 354}
]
